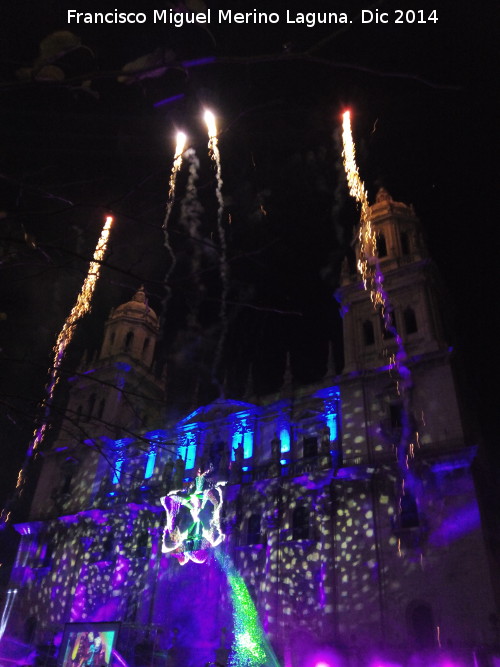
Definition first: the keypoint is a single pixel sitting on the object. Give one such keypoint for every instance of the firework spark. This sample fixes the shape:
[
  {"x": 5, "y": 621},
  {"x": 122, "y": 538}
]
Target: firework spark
[
  {"x": 81, "y": 308},
  {"x": 368, "y": 264},
  {"x": 367, "y": 236},
  {"x": 179, "y": 150},
  {"x": 373, "y": 281}
]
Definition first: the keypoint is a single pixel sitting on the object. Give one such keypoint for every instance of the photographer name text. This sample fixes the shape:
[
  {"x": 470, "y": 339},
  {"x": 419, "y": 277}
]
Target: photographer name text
[{"x": 229, "y": 17}]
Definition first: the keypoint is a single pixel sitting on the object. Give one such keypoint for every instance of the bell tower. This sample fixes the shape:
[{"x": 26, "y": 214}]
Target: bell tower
[
  {"x": 114, "y": 395},
  {"x": 413, "y": 286},
  {"x": 118, "y": 389},
  {"x": 132, "y": 331}
]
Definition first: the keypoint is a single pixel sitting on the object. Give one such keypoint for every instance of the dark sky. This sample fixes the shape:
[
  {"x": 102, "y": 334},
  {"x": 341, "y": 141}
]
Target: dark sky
[{"x": 77, "y": 143}]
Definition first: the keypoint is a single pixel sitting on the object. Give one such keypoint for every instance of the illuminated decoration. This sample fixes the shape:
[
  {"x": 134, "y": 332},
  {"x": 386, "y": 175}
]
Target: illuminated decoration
[
  {"x": 81, "y": 308},
  {"x": 193, "y": 520},
  {"x": 213, "y": 149}
]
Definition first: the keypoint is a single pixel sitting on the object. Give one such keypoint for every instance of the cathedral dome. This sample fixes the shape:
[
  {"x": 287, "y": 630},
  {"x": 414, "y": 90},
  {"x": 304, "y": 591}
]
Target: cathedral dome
[{"x": 137, "y": 307}]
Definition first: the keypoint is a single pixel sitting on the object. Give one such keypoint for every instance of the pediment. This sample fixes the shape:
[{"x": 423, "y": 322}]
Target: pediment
[
  {"x": 309, "y": 413},
  {"x": 219, "y": 409}
]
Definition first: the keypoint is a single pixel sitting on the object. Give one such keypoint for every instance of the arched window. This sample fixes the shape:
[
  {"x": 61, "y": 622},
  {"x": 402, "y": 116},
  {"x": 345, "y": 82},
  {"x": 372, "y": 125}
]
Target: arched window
[
  {"x": 112, "y": 338},
  {"x": 368, "y": 333},
  {"x": 107, "y": 547},
  {"x": 68, "y": 469},
  {"x": 300, "y": 523},
  {"x": 141, "y": 550},
  {"x": 310, "y": 447},
  {"x": 129, "y": 339},
  {"x": 100, "y": 410},
  {"x": 90, "y": 405},
  {"x": 66, "y": 485},
  {"x": 381, "y": 246},
  {"x": 253, "y": 529},
  {"x": 145, "y": 347},
  {"x": 405, "y": 243},
  {"x": 410, "y": 320}
]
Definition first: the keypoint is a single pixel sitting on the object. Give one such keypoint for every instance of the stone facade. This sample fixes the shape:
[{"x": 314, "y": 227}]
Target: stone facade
[{"x": 337, "y": 557}]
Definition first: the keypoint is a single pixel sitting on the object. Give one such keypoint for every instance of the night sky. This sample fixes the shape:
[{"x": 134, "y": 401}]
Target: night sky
[{"x": 77, "y": 143}]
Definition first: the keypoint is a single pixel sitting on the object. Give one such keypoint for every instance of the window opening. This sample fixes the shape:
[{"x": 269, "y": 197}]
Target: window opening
[{"x": 300, "y": 522}]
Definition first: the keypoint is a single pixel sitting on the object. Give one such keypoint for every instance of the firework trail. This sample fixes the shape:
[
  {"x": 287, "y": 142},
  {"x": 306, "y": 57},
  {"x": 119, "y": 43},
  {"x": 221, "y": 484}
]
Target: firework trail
[
  {"x": 81, "y": 308},
  {"x": 373, "y": 281},
  {"x": 179, "y": 150},
  {"x": 213, "y": 149}
]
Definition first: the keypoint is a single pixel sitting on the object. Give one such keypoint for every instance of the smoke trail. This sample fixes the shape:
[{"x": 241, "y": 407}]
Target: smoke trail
[
  {"x": 250, "y": 647},
  {"x": 82, "y": 307},
  {"x": 213, "y": 148},
  {"x": 179, "y": 150},
  {"x": 191, "y": 211}
]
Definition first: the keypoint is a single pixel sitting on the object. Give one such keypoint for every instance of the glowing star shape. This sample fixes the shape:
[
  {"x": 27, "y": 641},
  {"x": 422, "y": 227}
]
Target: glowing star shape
[{"x": 193, "y": 525}]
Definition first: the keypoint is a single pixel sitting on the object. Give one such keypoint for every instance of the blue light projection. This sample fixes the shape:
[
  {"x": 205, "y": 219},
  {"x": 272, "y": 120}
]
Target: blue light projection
[
  {"x": 150, "y": 463},
  {"x": 154, "y": 437},
  {"x": 187, "y": 445},
  {"x": 242, "y": 435},
  {"x": 248, "y": 445},
  {"x": 285, "y": 440},
  {"x": 331, "y": 398},
  {"x": 119, "y": 447}
]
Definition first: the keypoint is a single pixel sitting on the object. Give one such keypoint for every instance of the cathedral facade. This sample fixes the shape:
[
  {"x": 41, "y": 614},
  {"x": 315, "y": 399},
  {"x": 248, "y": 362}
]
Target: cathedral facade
[{"x": 345, "y": 547}]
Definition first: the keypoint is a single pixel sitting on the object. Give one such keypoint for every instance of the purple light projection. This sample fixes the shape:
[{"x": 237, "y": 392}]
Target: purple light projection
[
  {"x": 168, "y": 100},
  {"x": 457, "y": 525},
  {"x": 325, "y": 657}
]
